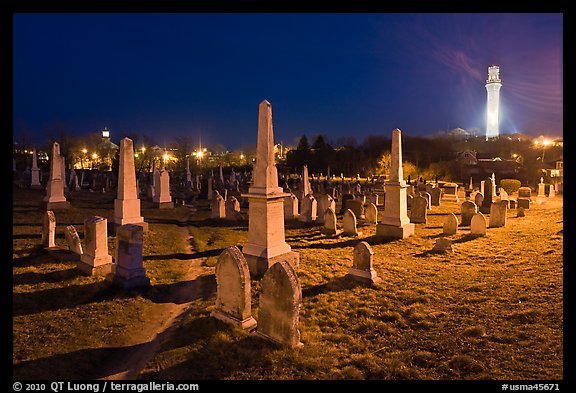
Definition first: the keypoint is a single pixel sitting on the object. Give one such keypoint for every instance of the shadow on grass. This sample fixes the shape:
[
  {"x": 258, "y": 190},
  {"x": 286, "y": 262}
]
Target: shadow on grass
[
  {"x": 54, "y": 299},
  {"x": 27, "y": 236},
  {"x": 346, "y": 242},
  {"x": 215, "y": 222},
  {"x": 212, "y": 351},
  {"x": 81, "y": 364},
  {"x": 336, "y": 285},
  {"x": 38, "y": 278},
  {"x": 185, "y": 256},
  {"x": 466, "y": 238}
]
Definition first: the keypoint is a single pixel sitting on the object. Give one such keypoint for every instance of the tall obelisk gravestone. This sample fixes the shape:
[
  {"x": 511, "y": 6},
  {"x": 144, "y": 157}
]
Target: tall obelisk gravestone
[
  {"x": 266, "y": 241},
  {"x": 35, "y": 183},
  {"x": 55, "y": 198},
  {"x": 395, "y": 222},
  {"x": 127, "y": 204}
]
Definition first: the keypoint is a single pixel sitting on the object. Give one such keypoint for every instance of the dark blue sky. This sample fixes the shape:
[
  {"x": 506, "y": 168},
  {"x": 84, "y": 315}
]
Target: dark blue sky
[{"x": 335, "y": 74}]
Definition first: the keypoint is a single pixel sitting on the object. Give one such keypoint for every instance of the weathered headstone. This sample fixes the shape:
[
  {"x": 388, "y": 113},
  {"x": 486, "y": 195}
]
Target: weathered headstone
[
  {"x": 162, "y": 198},
  {"x": 232, "y": 209},
  {"x": 55, "y": 198},
  {"x": 357, "y": 207},
  {"x": 523, "y": 203},
  {"x": 49, "y": 229},
  {"x": 478, "y": 198},
  {"x": 467, "y": 210},
  {"x": 279, "y": 306},
  {"x": 95, "y": 258},
  {"x": 478, "y": 224},
  {"x": 488, "y": 198},
  {"x": 450, "y": 226},
  {"x": 371, "y": 214},
  {"x": 435, "y": 195},
  {"x": 498, "y": 213},
  {"x": 266, "y": 240},
  {"x": 450, "y": 192},
  {"x": 128, "y": 267},
  {"x": 541, "y": 189},
  {"x": 428, "y": 199},
  {"x": 375, "y": 199},
  {"x": 290, "y": 207},
  {"x": 520, "y": 212},
  {"x": 395, "y": 222},
  {"x": 362, "y": 268},
  {"x": 306, "y": 188},
  {"x": 442, "y": 245},
  {"x": 330, "y": 223},
  {"x": 349, "y": 223},
  {"x": 127, "y": 204},
  {"x": 217, "y": 206},
  {"x": 308, "y": 212},
  {"x": 324, "y": 202},
  {"x": 233, "y": 297},
  {"x": 73, "y": 240},
  {"x": 524, "y": 192},
  {"x": 419, "y": 211},
  {"x": 35, "y": 182}
]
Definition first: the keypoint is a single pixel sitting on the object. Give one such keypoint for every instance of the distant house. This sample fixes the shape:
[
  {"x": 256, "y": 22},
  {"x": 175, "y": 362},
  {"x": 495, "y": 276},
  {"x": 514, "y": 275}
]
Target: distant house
[{"x": 480, "y": 166}]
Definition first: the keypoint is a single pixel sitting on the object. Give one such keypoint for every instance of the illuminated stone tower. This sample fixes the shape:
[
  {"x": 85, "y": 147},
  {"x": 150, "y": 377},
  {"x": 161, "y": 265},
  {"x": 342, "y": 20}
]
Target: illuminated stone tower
[{"x": 493, "y": 86}]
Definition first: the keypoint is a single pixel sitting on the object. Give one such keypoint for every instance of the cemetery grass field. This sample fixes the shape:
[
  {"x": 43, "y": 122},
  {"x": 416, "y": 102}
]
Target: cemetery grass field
[{"x": 490, "y": 310}]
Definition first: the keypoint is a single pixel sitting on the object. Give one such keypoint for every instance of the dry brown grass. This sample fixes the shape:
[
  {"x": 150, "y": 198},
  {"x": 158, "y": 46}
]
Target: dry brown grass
[{"x": 490, "y": 310}]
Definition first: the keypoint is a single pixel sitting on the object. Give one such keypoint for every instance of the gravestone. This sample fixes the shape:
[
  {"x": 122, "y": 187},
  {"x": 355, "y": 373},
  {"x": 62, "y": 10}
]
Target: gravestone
[
  {"x": 35, "y": 182},
  {"x": 55, "y": 198},
  {"x": 127, "y": 204},
  {"x": 395, "y": 222},
  {"x": 95, "y": 259},
  {"x": 419, "y": 211},
  {"x": 349, "y": 224},
  {"x": 48, "y": 229},
  {"x": 520, "y": 212},
  {"x": 232, "y": 209},
  {"x": 461, "y": 193},
  {"x": 279, "y": 306},
  {"x": 128, "y": 267},
  {"x": 308, "y": 212},
  {"x": 478, "y": 198},
  {"x": 409, "y": 199},
  {"x": 428, "y": 199},
  {"x": 541, "y": 189},
  {"x": 435, "y": 195},
  {"x": 290, "y": 207},
  {"x": 371, "y": 214},
  {"x": 266, "y": 240},
  {"x": 551, "y": 191},
  {"x": 73, "y": 240},
  {"x": 217, "y": 206},
  {"x": 512, "y": 203},
  {"x": 162, "y": 198},
  {"x": 324, "y": 202},
  {"x": 330, "y": 224},
  {"x": 467, "y": 210},
  {"x": 525, "y": 193},
  {"x": 487, "y": 201},
  {"x": 362, "y": 267},
  {"x": 478, "y": 224},
  {"x": 498, "y": 213},
  {"x": 357, "y": 207},
  {"x": 345, "y": 199},
  {"x": 374, "y": 199},
  {"x": 233, "y": 297},
  {"x": 306, "y": 188},
  {"x": 450, "y": 226},
  {"x": 450, "y": 192},
  {"x": 523, "y": 203},
  {"x": 442, "y": 245}
]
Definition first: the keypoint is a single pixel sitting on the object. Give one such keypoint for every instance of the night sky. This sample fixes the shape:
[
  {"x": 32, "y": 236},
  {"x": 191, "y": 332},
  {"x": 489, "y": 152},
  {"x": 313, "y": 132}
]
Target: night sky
[{"x": 334, "y": 74}]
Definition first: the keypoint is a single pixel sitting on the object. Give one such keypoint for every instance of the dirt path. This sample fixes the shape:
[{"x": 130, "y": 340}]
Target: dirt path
[{"x": 132, "y": 361}]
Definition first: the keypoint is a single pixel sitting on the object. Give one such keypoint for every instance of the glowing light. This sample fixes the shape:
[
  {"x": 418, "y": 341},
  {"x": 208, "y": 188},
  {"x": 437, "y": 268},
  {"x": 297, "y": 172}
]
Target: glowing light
[
  {"x": 136, "y": 155},
  {"x": 143, "y": 149},
  {"x": 241, "y": 156},
  {"x": 546, "y": 142},
  {"x": 94, "y": 156},
  {"x": 84, "y": 151},
  {"x": 165, "y": 156},
  {"x": 205, "y": 149},
  {"x": 514, "y": 155},
  {"x": 200, "y": 154},
  {"x": 106, "y": 134}
]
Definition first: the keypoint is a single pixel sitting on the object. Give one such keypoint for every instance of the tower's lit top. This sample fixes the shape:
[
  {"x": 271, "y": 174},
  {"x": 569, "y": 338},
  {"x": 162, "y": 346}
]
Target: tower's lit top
[{"x": 493, "y": 74}]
